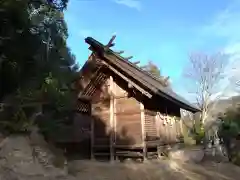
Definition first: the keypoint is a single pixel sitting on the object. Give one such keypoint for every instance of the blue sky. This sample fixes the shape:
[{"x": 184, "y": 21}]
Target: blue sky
[{"x": 163, "y": 31}]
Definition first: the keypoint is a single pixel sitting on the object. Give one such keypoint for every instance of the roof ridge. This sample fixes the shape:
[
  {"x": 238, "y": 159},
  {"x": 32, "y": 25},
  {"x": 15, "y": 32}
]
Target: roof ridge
[
  {"x": 129, "y": 62},
  {"x": 153, "y": 83}
]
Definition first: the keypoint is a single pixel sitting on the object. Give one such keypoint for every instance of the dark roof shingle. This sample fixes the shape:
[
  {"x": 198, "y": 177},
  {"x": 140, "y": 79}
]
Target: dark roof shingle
[{"x": 145, "y": 78}]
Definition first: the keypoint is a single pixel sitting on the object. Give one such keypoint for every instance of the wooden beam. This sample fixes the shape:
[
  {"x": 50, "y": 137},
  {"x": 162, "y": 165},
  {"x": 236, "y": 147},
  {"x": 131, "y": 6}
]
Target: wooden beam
[
  {"x": 128, "y": 58},
  {"x": 166, "y": 79},
  {"x": 158, "y": 121},
  {"x": 129, "y": 81},
  {"x": 110, "y": 43},
  {"x": 120, "y": 52},
  {"x": 143, "y": 131},
  {"x": 111, "y": 120},
  {"x": 168, "y": 129},
  {"x": 85, "y": 97},
  {"x": 137, "y": 62},
  {"x": 115, "y": 117},
  {"x": 175, "y": 126},
  {"x": 143, "y": 67},
  {"x": 90, "y": 48},
  {"x": 92, "y": 136},
  {"x": 181, "y": 127},
  {"x": 91, "y": 82}
]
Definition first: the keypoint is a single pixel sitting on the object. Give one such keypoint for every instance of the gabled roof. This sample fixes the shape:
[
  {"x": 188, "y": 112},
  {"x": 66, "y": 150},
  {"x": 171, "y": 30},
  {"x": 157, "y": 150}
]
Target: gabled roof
[{"x": 143, "y": 78}]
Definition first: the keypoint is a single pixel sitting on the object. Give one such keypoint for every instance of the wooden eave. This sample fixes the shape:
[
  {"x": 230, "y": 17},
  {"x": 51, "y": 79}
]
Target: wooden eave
[{"x": 142, "y": 78}]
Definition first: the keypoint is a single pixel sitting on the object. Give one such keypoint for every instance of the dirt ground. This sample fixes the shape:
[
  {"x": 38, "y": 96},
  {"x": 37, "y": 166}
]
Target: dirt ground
[{"x": 153, "y": 170}]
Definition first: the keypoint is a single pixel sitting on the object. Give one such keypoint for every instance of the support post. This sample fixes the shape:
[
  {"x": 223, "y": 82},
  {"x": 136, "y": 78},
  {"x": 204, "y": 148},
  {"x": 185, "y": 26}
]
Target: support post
[
  {"x": 181, "y": 127},
  {"x": 114, "y": 119},
  {"x": 92, "y": 137},
  {"x": 176, "y": 128},
  {"x": 157, "y": 121},
  {"x": 157, "y": 125},
  {"x": 143, "y": 131},
  {"x": 111, "y": 120}
]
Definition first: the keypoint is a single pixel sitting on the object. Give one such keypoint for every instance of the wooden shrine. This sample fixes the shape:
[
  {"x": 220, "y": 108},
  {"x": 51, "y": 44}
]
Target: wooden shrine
[{"x": 124, "y": 110}]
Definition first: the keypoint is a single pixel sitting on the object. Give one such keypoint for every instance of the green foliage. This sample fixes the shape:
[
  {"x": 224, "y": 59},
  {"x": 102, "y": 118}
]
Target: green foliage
[
  {"x": 194, "y": 132},
  {"x": 187, "y": 136},
  {"x": 199, "y": 134},
  {"x": 229, "y": 130},
  {"x": 35, "y": 63},
  {"x": 17, "y": 122},
  {"x": 33, "y": 44},
  {"x": 236, "y": 157},
  {"x": 230, "y": 125},
  {"x": 155, "y": 71}
]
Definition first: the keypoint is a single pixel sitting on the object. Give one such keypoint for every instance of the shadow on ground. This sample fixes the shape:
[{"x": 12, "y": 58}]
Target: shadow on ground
[{"x": 154, "y": 170}]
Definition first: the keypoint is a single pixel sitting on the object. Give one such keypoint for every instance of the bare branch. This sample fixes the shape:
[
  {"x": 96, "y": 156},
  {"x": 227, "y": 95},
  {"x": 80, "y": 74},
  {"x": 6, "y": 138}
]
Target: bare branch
[{"x": 205, "y": 73}]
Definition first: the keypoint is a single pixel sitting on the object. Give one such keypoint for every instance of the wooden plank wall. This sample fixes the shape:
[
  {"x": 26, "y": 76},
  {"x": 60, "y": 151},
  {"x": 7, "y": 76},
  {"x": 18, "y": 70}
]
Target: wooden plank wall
[
  {"x": 150, "y": 125},
  {"x": 127, "y": 119},
  {"x": 101, "y": 116},
  {"x": 118, "y": 121},
  {"x": 169, "y": 128}
]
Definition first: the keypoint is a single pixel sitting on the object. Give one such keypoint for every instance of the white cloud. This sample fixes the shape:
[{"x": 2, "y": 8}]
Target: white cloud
[
  {"x": 85, "y": 33},
  {"x": 233, "y": 69},
  {"x": 226, "y": 23},
  {"x": 227, "y": 86},
  {"x": 136, "y": 4},
  {"x": 224, "y": 27}
]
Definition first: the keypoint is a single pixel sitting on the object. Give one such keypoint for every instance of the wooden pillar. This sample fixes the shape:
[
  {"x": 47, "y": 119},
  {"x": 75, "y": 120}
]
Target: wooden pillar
[
  {"x": 176, "y": 129},
  {"x": 168, "y": 129},
  {"x": 143, "y": 131},
  {"x": 114, "y": 119},
  {"x": 181, "y": 127},
  {"x": 157, "y": 120},
  {"x": 111, "y": 120},
  {"x": 92, "y": 137}
]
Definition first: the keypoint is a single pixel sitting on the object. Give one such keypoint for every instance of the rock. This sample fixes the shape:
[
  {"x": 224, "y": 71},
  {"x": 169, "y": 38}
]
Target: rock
[
  {"x": 187, "y": 155},
  {"x": 17, "y": 162},
  {"x": 216, "y": 153}
]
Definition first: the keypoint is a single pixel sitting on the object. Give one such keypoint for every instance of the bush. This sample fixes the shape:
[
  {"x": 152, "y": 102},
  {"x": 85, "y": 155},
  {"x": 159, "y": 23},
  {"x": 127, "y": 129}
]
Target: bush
[
  {"x": 228, "y": 131},
  {"x": 197, "y": 133},
  {"x": 199, "y": 136},
  {"x": 16, "y": 122}
]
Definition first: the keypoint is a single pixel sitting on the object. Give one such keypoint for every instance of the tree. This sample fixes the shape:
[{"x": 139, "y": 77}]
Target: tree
[
  {"x": 29, "y": 37},
  {"x": 35, "y": 60},
  {"x": 229, "y": 130},
  {"x": 205, "y": 73},
  {"x": 155, "y": 71},
  {"x": 238, "y": 85}
]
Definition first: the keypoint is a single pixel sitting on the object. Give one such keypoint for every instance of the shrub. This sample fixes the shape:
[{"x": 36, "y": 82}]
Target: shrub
[
  {"x": 228, "y": 131},
  {"x": 16, "y": 122}
]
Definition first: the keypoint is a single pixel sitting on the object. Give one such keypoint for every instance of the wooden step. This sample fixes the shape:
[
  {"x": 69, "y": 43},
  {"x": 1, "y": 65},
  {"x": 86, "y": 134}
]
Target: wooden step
[
  {"x": 101, "y": 154},
  {"x": 101, "y": 146},
  {"x": 129, "y": 154}
]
